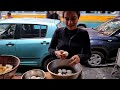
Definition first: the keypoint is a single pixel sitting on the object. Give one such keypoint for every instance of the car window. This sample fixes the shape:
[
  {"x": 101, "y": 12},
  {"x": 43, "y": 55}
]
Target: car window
[
  {"x": 3, "y": 27},
  {"x": 109, "y": 27},
  {"x": 8, "y": 31},
  {"x": 33, "y": 30},
  {"x": 11, "y": 29}
]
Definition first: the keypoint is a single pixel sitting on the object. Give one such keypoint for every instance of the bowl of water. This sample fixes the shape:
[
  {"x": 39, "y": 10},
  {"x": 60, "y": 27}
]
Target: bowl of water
[{"x": 60, "y": 69}]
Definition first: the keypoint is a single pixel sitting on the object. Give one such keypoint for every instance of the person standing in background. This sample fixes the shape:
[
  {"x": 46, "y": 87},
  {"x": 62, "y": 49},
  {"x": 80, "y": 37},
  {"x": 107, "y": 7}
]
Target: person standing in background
[
  {"x": 9, "y": 15},
  {"x": 52, "y": 15},
  {"x": 49, "y": 14}
]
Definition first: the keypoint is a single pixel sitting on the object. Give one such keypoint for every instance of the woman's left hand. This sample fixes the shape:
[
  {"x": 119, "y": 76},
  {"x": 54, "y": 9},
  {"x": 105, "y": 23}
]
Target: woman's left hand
[{"x": 74, "y": 60}]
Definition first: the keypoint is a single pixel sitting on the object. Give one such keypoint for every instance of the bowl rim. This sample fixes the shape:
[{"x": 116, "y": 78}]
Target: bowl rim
[
  {"x": 63, "y": 75},
  {"x": 32, "y": 70},
  {"x": 13, "y": 67}
]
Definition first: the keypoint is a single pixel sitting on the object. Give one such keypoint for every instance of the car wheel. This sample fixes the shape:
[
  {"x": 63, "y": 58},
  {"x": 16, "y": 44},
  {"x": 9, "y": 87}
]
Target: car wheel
[
  {"x": 96, "y": 59},
  {"x": 46, "y": 61}
]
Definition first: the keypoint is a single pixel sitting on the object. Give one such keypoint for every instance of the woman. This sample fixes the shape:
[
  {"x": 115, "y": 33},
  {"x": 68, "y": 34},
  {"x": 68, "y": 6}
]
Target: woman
[{"x": 71, "y": 39}]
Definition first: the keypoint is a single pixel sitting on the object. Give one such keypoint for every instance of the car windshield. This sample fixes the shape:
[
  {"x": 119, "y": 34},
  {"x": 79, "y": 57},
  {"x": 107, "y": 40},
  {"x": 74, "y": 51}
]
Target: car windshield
[{"x": 109, "y": 27}]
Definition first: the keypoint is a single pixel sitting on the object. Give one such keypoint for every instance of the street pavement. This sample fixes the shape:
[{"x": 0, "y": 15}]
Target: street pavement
[
  {"x": 98, "y": 73},
  {"x": 103, "y": 72}
]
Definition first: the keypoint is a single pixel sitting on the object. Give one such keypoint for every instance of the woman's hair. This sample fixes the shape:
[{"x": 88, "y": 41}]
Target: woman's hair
[{"x": 77, "y": 12}]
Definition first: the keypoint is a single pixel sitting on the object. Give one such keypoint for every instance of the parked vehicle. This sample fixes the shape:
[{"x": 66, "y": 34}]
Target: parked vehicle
[
  {"x": 105, "y": 41},
  {"x": 27, "y": 38}
]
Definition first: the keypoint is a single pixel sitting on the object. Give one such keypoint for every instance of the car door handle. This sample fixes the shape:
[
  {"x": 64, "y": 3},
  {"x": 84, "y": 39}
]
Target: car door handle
[
  {"x": 44, "y": 43},
  {"x": 10, "y": 44}
]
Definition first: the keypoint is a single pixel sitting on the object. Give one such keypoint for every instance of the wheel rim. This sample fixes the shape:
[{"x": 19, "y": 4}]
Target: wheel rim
[{"x": 95, "y": 60}]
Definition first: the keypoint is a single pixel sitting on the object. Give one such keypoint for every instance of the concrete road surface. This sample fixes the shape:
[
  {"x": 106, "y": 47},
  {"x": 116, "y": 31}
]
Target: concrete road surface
[
  {"x": 89, "y": 73},
  {"x": 97, "y": 73}
]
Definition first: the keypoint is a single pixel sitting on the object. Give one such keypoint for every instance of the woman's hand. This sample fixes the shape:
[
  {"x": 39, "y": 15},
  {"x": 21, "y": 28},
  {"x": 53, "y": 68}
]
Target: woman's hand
[
  {"x": 60, "y": 54},
  {"x": 74, "y": 60}
]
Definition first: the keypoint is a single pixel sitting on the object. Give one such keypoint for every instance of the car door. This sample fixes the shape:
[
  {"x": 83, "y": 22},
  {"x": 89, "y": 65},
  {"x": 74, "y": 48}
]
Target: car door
[
  {"x": 114, "y": 44},
  {"x": 32, "y": 45},
  {"x": 7, "y": 41}
]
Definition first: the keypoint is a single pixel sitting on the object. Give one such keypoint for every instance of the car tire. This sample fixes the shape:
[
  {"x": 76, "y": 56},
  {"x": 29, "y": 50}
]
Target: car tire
[
  {"x": 96, "y": 59},
  {"x": 46, "y": 61}
]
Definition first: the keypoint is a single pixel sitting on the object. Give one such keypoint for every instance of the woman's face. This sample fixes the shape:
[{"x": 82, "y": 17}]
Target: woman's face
[{"x": 70, "y": 19}]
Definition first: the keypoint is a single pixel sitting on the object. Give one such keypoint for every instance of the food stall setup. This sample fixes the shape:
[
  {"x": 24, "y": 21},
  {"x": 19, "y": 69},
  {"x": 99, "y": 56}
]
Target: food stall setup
[{"x": 57, "y": 69}]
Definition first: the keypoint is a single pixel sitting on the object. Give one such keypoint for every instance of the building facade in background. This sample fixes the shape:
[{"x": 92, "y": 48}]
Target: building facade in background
[{"x": 89, "y": 19}]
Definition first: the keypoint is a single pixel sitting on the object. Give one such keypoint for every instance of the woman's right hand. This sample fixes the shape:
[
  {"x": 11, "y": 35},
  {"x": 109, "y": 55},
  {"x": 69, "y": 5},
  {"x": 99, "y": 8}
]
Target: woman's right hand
[{"x": 59, "y": 54}]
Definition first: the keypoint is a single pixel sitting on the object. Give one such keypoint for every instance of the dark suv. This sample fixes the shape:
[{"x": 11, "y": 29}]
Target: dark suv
[{"x": 105, "y": 41}]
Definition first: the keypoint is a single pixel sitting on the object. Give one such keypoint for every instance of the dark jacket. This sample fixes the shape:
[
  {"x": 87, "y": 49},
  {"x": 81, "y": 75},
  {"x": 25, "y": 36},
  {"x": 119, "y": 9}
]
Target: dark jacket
[{"x": 74, "y": 41}]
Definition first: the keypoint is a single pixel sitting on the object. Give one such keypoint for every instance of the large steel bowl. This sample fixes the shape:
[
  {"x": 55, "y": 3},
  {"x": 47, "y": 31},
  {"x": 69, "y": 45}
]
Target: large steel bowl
[
  {"x": 11, "y": 60},
  {"x": 34, "y": 72},
  {"x": 57, "y": 63}
]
